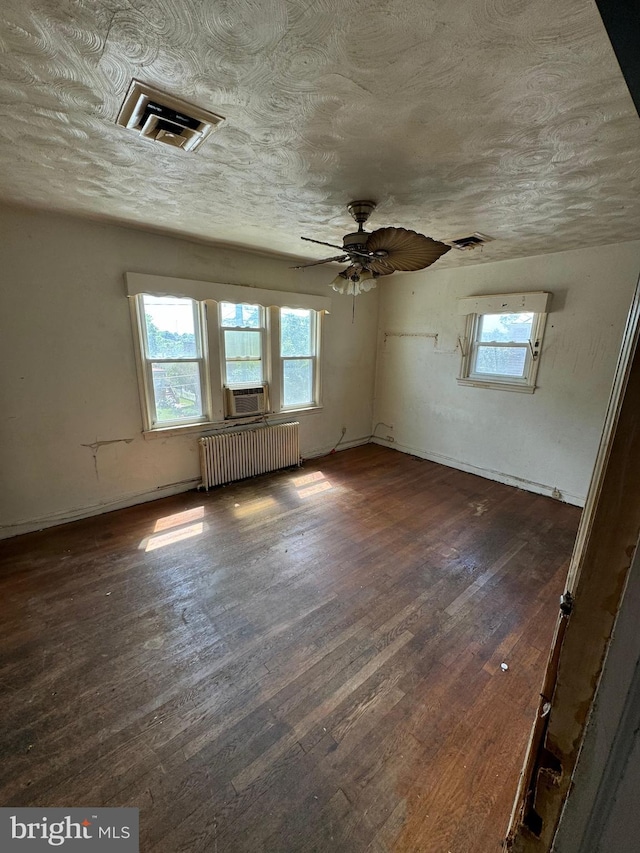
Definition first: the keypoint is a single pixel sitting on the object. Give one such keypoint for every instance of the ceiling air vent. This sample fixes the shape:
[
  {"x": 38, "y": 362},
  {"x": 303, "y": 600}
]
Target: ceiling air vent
[
  {"x": 158, "y": 117},
  {"x": 470, "y": 242}
]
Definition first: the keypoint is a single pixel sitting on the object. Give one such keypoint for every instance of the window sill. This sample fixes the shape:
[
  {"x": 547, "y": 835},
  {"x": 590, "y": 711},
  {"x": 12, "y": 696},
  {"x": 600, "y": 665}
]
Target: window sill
[
  {"x": 228, "y": 423},
  {"x": 498, "y": 386}
]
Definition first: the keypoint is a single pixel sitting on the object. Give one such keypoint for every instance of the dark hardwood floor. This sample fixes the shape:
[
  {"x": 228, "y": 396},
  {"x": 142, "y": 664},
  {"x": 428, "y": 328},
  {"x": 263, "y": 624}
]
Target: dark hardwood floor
[{"x": 306, "y": 661}]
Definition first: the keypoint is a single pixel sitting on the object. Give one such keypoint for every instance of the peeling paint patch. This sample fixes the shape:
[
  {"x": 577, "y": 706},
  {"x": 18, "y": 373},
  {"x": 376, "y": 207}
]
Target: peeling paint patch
[{"x": 95, "y": 447}]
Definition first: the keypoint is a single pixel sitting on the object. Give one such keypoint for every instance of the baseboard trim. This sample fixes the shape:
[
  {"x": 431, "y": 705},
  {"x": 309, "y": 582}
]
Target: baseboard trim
[
  {"x": 66, "y": 516},
  {"x": 487, "y": 473},
  {"x": 97, "y": 509},
  {"x": 344, "y": 445}
]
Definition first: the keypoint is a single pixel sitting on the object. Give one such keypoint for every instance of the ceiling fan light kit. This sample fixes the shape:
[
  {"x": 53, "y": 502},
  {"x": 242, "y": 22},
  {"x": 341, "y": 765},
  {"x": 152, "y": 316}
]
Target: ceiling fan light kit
[
  {"x": 354, "y": 280},
  {"x": 380, "y": 252}
]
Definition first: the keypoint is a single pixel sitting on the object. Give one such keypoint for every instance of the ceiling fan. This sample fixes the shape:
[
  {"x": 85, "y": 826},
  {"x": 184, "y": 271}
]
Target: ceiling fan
[{"x": 380, "y": 252}]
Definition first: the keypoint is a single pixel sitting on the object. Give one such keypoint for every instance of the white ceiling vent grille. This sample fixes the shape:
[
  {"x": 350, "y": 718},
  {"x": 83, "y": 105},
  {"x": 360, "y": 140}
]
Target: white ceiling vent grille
[
  {"x": 470, "y": 242},
  {"x": 158, "y": 117}
]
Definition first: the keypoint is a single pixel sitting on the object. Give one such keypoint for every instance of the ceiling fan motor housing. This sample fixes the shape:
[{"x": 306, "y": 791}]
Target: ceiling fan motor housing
[
  {"x": 361, "y": 210},
  {"x": 356, "y": 240}
]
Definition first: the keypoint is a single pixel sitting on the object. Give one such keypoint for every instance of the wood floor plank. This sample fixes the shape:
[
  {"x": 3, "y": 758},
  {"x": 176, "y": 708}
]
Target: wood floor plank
[
  {"x": 319, "y": 713},
  {"x": 270, "y": 667}
]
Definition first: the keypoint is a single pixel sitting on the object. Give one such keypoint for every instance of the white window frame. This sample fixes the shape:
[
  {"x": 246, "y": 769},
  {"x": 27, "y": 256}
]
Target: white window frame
[
  {"x": 211, "y": 341},
  {"x": 535, "y": 303},
  {"x": 145, "y": 364},
  {"x": 315, "y": 347},
  {"x": 262, "y": 330}
]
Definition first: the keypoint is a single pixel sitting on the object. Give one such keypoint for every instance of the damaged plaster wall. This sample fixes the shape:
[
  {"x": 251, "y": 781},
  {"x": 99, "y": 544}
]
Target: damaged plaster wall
[
  {"x": 545, "y": 442},
  {"x": 70, "y": 425}
]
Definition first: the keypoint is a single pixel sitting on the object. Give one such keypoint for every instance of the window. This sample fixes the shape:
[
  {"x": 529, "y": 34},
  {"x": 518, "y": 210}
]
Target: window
[
  {"x": 189, "y": 351},
  {"x": 243, "y": 343},
  {"x": 297, "y": 353},
  {"x": 173, "y": 361},
  {"x": 502, "y": 348}
]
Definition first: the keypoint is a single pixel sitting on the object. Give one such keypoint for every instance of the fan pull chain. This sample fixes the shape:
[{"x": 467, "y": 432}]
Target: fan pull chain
[{"x": 353, "y": 310}]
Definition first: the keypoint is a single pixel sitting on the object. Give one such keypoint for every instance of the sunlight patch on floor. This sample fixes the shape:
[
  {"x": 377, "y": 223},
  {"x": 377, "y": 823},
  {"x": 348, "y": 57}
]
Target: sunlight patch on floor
[
  {"x": 179, "y": 518},
  {"x": 315, "y": 489},
  {"x": 161, "y": 540},
  {"x": 252, "y": 507},
  {"x": 307, "y": 479},
  {"x": 311, "y": 484}
]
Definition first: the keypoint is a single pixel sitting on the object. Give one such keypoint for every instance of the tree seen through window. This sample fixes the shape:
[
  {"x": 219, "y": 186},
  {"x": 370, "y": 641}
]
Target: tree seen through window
[
  {"x": 503, "y": 328},
  {"x": 172, "y": 348}
]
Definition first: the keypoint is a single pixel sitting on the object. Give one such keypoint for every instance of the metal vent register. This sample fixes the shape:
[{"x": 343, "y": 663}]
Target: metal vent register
[
  {"x": 159, "y": 117},
  {"x": 470, "y": 242}
]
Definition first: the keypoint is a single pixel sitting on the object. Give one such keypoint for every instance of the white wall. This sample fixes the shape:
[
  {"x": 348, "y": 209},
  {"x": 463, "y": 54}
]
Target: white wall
[
  {"x": 538, "y": 441},
  {"x": 68, "y": 380},
  {"x": 67, "y": 369}
]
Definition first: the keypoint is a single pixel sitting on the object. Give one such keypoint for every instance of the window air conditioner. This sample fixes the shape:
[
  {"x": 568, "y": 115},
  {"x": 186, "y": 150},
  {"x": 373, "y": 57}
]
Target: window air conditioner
[{"x": 243, "y": 402}]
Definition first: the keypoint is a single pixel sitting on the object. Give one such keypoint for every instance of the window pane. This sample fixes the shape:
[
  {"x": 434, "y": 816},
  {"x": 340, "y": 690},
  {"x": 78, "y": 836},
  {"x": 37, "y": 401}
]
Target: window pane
[
  {"x": 176, "y": 387},
  {"x": 501, "y": 361},
  {"x": 244, "y": 372},
  {"x": 295, "y": 332},
  {"x": 506, "y": 327},
  {"x": 242, "y": 344},
  {"x": 241, "y": 314},
  {"x": 170, "y": 325},
  {"x": 298, "y": 382}
]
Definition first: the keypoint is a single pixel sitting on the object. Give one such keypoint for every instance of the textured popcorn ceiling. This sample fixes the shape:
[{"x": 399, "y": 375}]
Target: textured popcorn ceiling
[{"x": 509, "y": 117}]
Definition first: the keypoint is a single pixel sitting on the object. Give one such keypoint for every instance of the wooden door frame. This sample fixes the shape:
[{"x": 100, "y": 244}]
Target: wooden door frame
[{"x": 605, "y": 544}]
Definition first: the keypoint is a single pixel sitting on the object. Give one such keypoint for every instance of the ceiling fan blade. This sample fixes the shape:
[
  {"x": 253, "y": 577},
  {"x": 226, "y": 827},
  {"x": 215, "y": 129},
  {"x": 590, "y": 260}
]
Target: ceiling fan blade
[
  {"x": 406, "y": 250},
  {"x": 355, "y": 253},
  {"x": 325, "y": 261},
  {"x": 322, "y": 243},
  {"x": 333, "y": 246},
  {"x": 380, "y": 268}
]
